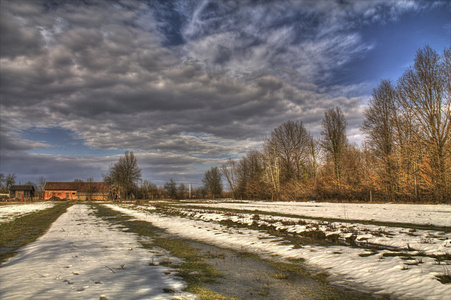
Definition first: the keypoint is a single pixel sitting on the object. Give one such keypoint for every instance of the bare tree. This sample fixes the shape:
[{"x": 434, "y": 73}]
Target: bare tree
[
  {"x": 425, "y": 92},
  {"x": 170, "y": 189},
  {"x": 212, "y": 182},
  {"x": 228, "y": 169},
  {"x": 125, "y": 174},
  {"x": 181, "y": 191},
  {"x": 272, "y": 168},
  {"x": 291, "y": 142},
  {"x": 334, "y": 139},
  {"x": 41, "y": 186},
  {"x": 90, "y": 188},
  {"x": 313, "y": 161},
  {"x": 379, "y": 125},
  {"x": 2, "y": 180},
  {"x": 148, "y": 190},
  {"x": 10, "y": 180},
  {"x": 256, "y": 187}
]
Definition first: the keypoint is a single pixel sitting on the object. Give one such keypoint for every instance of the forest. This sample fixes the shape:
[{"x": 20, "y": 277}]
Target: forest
[{"x": 405, "y": 157}]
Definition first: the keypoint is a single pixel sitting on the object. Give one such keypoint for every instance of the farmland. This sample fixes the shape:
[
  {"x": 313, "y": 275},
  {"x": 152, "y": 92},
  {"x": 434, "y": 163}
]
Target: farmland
[{"x": 331, "y": 250}]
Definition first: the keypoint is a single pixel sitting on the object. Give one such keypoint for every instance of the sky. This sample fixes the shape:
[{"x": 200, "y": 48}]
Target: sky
[{"x": 186, "y": 85}]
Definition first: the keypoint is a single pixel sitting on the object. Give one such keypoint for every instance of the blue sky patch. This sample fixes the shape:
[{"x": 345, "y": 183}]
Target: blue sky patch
[{"x": 62, "y": 141}]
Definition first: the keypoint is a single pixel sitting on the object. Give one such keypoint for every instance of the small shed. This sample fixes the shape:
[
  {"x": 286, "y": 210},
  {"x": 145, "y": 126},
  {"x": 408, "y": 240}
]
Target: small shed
[{"x": 22, "y": 192}]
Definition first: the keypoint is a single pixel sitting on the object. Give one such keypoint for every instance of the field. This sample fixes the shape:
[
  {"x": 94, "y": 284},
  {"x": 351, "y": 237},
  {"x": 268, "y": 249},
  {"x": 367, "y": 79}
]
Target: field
[{"x": 182, "y": 250}]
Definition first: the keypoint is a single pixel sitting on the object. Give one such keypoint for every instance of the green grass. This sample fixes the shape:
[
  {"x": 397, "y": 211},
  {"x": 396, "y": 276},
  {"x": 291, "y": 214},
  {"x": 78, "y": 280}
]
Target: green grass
[
  {"x": 289, "y": 267},
  {"x": 321, "y": 277},
  {"x": 445, "y": 279},
  {"x": 265, "y": 291},
  {"x": 326, "y": 292},
  {"x": 279, "y": 275},
  {"x": 194, "y": 270},
  {"x": 27, "y": 229}
]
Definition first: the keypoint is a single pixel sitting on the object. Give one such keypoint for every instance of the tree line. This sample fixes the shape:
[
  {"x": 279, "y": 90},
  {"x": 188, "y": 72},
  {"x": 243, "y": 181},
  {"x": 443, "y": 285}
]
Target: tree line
[
  {"x": 125, "y": 182},
  {"x": 406, "y": 154}
]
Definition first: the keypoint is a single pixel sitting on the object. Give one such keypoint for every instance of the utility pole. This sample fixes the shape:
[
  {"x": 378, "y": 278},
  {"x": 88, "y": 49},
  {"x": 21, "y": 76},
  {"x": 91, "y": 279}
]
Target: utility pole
[{"x": 190, "y": 191}]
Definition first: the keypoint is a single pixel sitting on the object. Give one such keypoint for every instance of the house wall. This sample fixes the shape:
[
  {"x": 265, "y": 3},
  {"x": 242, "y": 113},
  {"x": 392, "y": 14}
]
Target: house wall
[
  {"x": 63, "y": 194},
  {"x": 73, "y": 195},
  {"x": 21, "y": 195},
  {"x": 92, "y": 196}
]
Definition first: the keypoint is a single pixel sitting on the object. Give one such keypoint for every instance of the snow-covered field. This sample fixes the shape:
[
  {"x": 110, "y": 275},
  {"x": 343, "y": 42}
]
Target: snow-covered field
[
  {"x": 83, "y": 257},
  {"x": 9, "y": 212},
  {"x": 438, "y": 215},
  {"x": 405, "y": 265}
]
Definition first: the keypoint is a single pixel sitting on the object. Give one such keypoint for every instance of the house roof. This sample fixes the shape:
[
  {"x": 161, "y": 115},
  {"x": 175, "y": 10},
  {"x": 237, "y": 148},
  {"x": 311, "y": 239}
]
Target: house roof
[
  {"x": 80, "y": 187},
  {"x": 92, "y": 187},
  {"x": 61, "y": 186},
  {"x": 22, "y": 187}
]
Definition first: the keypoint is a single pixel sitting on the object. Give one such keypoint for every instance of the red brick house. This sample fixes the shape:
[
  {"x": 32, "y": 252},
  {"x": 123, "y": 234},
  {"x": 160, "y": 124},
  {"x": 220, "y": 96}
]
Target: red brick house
[{"x": 76, "y": 190}]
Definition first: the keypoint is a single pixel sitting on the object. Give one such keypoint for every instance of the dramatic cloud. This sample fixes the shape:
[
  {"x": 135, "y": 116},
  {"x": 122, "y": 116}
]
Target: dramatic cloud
[{"x": 184, "y": 84}]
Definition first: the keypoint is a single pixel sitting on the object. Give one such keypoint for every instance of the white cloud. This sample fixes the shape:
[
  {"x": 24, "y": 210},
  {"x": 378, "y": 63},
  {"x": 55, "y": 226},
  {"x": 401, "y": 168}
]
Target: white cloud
[{"x": 109, "y": 73}]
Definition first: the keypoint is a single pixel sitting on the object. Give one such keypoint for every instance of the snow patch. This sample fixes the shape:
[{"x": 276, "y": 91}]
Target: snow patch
[{"x": 10, "y": 212}]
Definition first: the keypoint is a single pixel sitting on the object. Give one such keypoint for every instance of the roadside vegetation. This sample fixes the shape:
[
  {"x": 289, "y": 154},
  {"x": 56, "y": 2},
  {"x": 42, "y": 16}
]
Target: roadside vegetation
[{"x": 27, "y": 229}]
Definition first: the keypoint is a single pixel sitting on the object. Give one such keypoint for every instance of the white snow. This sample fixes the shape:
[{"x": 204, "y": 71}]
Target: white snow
[
  {"x": 9, "y": 212},
  {"x": 438, "y": 215},
  {"x": 83, "y": 257},
  {"x": 426, "y": 241},
  {"x": 404, "y": 279}
]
